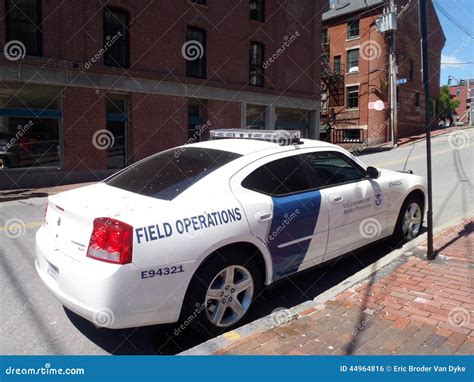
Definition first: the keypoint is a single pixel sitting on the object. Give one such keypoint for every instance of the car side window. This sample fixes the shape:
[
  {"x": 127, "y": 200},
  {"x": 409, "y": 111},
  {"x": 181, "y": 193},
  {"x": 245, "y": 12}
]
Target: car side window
[
  {"x": 280, "y": 177},
  {"x": 330, "y": 169}
]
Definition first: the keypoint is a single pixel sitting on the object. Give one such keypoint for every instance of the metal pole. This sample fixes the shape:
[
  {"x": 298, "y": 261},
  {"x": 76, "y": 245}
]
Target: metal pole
[{"x": 426, "y": 85}]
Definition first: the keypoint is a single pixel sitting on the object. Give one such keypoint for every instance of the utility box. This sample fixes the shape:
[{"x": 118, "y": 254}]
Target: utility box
[{"x": 387, "y": 22}]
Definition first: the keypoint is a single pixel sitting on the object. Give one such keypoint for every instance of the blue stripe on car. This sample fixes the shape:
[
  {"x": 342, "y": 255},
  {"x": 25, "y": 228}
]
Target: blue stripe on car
[{"x": 294, "y": 218}]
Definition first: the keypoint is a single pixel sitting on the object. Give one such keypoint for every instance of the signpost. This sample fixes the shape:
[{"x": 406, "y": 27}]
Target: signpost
[{"x": 426, "y": 85}]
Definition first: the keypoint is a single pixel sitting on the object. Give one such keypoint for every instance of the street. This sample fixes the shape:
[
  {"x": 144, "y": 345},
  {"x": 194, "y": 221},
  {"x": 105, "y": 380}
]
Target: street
[{"x": 34, "y": 322}]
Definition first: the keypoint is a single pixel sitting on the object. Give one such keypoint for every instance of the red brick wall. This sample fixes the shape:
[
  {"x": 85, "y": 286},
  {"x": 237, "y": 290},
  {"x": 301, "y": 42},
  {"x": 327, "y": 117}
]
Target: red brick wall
[
  {"x": 373, "y": 73},
  {"x": 156, "y": 123},
  {"x": 73, "y": 34},
  {"x": 83, "y": 115}
]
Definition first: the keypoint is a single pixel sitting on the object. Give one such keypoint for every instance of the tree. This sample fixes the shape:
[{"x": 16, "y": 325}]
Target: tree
[{"x": 447, "y": 105}]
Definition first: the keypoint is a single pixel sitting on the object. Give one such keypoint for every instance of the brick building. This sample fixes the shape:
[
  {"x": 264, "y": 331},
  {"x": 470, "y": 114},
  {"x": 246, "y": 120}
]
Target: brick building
[
  {"x": 87, "y": 87},
  {"x": 355, "y": 71},
  {"x": 464, "y": 92}
]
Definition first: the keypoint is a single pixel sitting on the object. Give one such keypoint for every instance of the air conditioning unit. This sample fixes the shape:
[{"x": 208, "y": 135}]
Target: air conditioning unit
[{"x": 354, "y": 69}]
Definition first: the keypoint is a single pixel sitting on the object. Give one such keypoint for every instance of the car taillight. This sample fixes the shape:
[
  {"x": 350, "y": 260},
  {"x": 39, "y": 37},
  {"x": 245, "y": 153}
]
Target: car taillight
[{"x": 111, "y": 241}]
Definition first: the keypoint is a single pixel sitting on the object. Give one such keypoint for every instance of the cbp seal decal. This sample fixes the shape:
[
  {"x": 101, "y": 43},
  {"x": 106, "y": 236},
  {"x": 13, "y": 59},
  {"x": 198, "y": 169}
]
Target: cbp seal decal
[{"x": 378, "y": 200}]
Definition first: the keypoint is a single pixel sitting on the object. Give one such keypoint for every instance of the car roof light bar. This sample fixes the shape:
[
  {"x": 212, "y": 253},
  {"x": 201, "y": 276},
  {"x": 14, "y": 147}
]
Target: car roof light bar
[{"x": 282, "y": 137}]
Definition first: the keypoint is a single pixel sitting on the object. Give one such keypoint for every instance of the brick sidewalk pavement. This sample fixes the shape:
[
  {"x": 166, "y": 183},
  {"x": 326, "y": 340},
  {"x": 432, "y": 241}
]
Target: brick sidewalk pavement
[{"x": 421, "y": 307}]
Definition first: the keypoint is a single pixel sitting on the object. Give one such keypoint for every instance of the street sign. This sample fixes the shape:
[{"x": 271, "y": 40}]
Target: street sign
[{"x": 402, "y": 81}]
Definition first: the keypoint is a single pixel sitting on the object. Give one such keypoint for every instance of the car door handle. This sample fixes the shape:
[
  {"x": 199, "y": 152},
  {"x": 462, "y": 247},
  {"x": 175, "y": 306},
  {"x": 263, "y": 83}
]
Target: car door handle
[
  {"x": 337, "y": 199},
  {"x": 264, "y": 215}
]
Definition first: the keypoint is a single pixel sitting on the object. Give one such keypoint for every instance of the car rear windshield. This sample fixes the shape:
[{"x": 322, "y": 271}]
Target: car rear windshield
[{"x": 168, "y": 174}]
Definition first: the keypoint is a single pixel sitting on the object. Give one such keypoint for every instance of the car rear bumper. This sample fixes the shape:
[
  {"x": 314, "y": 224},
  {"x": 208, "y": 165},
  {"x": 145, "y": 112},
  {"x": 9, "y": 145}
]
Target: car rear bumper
[{"x": 109, "y": 295}]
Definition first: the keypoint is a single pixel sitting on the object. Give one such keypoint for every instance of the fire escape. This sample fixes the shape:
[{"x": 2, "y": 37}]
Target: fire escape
[{"x": 333, "y": 111}]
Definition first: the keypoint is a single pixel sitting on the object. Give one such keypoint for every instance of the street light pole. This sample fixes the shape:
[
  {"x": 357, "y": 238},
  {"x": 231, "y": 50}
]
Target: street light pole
[{"x": 426, "y": 85}]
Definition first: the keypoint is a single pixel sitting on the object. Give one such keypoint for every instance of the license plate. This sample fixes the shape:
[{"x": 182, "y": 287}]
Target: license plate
[{"x": 53, "y": 271}]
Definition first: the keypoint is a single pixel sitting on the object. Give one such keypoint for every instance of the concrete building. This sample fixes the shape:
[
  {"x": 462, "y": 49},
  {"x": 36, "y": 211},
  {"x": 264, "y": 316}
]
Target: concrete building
[
  {"x": 464, "y": 92},
  {"x": 87, "y": 87},
  {"x": 356, "y": 107}
]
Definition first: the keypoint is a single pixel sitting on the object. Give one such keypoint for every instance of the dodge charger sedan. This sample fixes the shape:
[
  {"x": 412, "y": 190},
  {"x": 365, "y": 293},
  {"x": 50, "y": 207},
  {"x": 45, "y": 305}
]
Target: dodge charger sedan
[{"x": 198, "y": 230}]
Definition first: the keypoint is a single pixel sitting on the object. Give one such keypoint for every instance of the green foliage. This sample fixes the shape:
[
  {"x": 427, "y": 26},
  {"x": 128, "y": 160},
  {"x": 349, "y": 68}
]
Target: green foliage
[{"x": 446, "y": 104}]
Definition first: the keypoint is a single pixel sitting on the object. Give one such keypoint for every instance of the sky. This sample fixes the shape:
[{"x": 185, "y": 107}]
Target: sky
[{"x": 459, "y": 47}]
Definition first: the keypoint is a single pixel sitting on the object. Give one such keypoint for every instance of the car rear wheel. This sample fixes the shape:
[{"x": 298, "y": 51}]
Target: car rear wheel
[
  {"x": 409, "y": 222},
  {"x": 221, "y": 293}
]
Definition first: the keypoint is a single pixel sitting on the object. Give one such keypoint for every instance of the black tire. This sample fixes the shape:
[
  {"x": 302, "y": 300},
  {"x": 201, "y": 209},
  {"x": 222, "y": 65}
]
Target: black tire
[
  {"x": 197, "y": 311},
  {"x": 399, "y": 237}
]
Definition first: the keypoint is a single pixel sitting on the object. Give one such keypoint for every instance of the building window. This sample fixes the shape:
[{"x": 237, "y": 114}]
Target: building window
[
  {"x": 292, "y": 119},
  {"x": 352, "y": 97},
  {"x": 23, "y": 23},
  {"x": 337, "y": 65},
  {"x": 417, "y": 101},
  {"x": 30, "y": 120},
  {"x": 197, "y": 128},
  {"x": 353, "y": 60},
  {"x": 255, "y": 116},
  {"x": 324, "y": 37},
  {"x": 353, "y": 29},
  {"x": 117, "y": 120},
  {"x": 196, "y": 64},
  {"x": 200, "y": 2},
  {"x": 256, "y": 69},
  {"x": 116, "y": 38},
  {"x": 257, "y": 10}
]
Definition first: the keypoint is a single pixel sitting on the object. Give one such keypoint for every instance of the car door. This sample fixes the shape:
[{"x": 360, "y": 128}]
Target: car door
[
  {"x": 357, "y": 209},
  {"x": 284, "y": 212}
]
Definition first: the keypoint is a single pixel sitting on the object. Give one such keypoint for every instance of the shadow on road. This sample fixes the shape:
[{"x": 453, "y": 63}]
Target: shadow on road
[{"x": 286, "y": 293}]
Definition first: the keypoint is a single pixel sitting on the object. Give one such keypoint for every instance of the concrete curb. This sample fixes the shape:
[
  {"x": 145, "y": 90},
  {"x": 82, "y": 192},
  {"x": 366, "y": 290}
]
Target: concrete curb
[{"x": 271, "y": 321}]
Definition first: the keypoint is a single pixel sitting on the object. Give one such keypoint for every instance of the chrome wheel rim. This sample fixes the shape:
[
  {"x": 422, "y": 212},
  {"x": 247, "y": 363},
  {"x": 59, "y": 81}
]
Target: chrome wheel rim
[
  {"x": 229, "y": 296},
  {"x": 412, "y": 221}
]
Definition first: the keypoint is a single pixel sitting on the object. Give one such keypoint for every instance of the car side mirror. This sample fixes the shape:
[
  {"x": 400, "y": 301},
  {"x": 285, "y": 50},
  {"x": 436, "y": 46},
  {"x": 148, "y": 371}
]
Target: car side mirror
[{"x": 372, "y": 172}]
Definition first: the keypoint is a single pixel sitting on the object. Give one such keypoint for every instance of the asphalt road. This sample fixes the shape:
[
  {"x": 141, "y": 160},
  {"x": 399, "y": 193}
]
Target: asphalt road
[{"x": 32, "y": 321}]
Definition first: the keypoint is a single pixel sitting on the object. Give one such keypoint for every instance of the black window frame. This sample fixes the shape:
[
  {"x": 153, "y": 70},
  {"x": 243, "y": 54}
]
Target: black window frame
[
  {"x": 38, "y": 28},
  {"x": 337, "y": 64},
  {"x": 109, "y": 59},
  {"x": 350, "y": 60},
  {"x": 199, "y": 2},
  {"x": 256, "y": 69},
  {"x": 257, "y": 13},
  {"x": 197, "y": 68},
  {"x": 348, "y": 106},
  {"x": 353, "y": 29}
]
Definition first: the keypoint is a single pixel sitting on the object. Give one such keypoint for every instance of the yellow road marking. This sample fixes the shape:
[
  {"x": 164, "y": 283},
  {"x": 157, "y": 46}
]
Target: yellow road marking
[{"x": 16, "y": 226}]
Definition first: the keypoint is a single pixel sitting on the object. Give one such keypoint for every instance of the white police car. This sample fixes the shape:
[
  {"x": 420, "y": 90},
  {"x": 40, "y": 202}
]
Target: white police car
[{"x": 197, "y": 230}]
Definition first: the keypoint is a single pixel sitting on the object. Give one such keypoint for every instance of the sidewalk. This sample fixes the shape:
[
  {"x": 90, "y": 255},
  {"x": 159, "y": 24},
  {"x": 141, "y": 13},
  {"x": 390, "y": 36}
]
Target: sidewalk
[
  {"x": 419, "y": 307},
  {"x": 434, "y": 133},
  {"x": 9, "y": 195}
]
